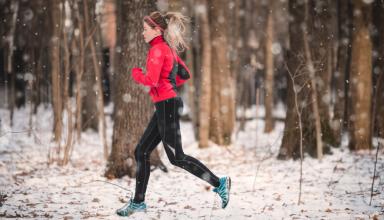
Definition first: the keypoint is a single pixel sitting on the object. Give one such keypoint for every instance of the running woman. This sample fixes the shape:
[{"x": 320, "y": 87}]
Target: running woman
[{"x": 165, "y": 71}]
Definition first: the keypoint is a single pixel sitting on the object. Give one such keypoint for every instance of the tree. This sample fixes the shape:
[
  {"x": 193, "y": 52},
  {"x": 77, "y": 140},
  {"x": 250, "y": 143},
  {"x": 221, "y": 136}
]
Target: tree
[
  {"x": 378, "y": 117},
  {"x": 320, "y": 41},
  {"x": 10, "y": 10},
  {"x": 341, "y": 75},
  {"x": 205, "y": 97},
  {"x": 301, "y": 96},
  {"x": 361, "y": 78},
  {"x": 269, "y": 69},
  {"x": 89, "y": 113},
  {"x": 95, "y": 48},
  {"x": 222, "y": 118},
  {"x": 132, "y": 105},
  {"x": 57, "y": 106}
]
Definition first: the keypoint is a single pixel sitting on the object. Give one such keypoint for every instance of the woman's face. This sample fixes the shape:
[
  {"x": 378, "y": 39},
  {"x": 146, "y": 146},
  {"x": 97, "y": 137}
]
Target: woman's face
[{"x": 149, "y": 33}]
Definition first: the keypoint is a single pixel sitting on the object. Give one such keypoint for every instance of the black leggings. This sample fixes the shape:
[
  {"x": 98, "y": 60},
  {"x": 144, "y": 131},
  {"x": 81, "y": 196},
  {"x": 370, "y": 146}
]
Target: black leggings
[{"x": 164, "y": 126}]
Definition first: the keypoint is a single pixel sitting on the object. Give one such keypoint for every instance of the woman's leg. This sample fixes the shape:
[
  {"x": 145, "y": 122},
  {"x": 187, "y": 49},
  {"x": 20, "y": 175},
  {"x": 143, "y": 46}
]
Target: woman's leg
[
  {"x": 149, "y": 140},
  {"x": 168, "y": 115}
]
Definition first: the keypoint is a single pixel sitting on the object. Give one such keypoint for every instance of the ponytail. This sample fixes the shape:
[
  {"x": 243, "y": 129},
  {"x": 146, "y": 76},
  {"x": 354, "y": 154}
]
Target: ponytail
[
  {"x": 172, "y": 24},
  {"x": 174, "y": 34}
]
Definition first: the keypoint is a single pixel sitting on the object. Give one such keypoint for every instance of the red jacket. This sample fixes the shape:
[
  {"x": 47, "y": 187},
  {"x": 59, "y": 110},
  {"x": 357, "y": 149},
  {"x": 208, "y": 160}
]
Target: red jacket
[{"x": 165, "y": 71}]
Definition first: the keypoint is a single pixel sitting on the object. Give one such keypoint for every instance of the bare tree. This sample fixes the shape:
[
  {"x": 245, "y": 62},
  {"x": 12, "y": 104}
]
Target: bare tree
[
  {"x": 292, "y": 76},
  {"x": 361, "y": 78}
]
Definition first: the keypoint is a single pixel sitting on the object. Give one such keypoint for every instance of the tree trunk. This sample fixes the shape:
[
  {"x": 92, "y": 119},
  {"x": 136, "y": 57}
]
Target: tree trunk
[
  {"x": 108, "y": 24},
  {"x": 205, "y": 97},
  {"x": 298, "y": 84},
  {"x": 9, "y": 30},
  {"x": 245, "y": 86},
  {"x": 79, "y": 66},
  {"x": 55, "y": 68},
  {"x": 313, "y": 84},
  {"x": 132, "y": 108},
  {"x": 95, "y": 50},
  {"x": 341, "y": 75},
  {"x": 66, "y": 99},
  {"x": 380, "y": 65},
  {"x": 321, "y": 44},
  {"x": 269, "y": 69},
  {"x": 361, "y": 78},
  {"x": 89, "y": 113},
  {"x": 222, "y": 99},
  {"x": 196, "y": 51}
]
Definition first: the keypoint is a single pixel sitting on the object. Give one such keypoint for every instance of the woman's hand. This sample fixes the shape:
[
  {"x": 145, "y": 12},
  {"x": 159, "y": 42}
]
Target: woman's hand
[{"x": 136, "y": 73}]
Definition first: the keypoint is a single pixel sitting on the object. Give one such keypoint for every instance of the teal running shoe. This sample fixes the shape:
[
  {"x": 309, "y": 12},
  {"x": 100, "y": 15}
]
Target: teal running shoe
[
  {"x": 223, "y": 190},
  {"x": 131, "y": 207}
]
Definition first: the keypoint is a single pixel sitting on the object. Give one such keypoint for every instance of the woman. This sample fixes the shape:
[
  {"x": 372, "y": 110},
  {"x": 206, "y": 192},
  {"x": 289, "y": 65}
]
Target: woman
[{"x": 165, "y": 71}]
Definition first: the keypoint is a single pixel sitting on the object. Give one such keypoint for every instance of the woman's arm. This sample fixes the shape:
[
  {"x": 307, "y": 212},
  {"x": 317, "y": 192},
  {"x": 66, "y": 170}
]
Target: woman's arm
[
  {"x": 183, "y": 73},
  {"x": 154, "y": 65}
]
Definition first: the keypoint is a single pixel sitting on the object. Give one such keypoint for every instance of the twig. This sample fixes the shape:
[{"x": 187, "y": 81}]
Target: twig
[
  {"x": 300, "y": 130},
  {"x": 374, "y": 172},
  {"x": 14, "y": 132}
]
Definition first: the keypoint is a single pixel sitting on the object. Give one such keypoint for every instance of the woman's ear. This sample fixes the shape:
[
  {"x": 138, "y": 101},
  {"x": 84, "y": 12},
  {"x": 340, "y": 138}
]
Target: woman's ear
[{"x": 158, "y": 30}]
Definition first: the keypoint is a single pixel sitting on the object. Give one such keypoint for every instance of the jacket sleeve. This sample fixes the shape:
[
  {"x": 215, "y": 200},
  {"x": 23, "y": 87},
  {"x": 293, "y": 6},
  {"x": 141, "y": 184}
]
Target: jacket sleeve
[
  {"x": 155, "y": 60},
  {"x": 183, "y": 73}
]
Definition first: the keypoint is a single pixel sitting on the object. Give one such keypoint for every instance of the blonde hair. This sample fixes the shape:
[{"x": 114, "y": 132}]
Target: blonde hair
[{"x": 172, "y": 25}]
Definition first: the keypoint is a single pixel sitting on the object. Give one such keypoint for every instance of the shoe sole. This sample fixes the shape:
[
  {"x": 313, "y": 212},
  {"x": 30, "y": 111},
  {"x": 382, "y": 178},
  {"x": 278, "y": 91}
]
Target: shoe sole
[{"x": 131, "y": 213}]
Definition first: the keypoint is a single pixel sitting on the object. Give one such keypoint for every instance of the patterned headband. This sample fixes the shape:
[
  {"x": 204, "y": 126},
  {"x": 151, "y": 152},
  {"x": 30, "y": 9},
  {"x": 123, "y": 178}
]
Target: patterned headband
[{"x": 153, "y": 22}]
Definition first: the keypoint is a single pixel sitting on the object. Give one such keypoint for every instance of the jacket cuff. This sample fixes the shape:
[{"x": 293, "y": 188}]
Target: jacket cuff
[{"x": 135, "y": 73}]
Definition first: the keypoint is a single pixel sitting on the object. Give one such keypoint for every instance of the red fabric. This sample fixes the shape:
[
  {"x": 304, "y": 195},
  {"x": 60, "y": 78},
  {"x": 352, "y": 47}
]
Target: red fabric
[{"x": 160, "y": 62}]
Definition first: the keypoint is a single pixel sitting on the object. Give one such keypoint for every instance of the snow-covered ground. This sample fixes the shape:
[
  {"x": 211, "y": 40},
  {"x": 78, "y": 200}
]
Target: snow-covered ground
[{"x": 263, "y": 187}]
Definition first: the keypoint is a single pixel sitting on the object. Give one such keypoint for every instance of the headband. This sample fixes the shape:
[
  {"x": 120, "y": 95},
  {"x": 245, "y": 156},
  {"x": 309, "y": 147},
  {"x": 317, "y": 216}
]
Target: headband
[{"x": 153, "y": 22}]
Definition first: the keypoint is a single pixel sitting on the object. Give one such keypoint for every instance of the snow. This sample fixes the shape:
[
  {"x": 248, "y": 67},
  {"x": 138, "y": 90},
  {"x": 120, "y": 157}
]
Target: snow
[{"x": 338, "y": 187}]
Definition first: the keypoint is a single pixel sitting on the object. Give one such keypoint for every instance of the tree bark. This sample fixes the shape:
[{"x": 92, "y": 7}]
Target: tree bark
[{"x": 361, "y": 78}]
